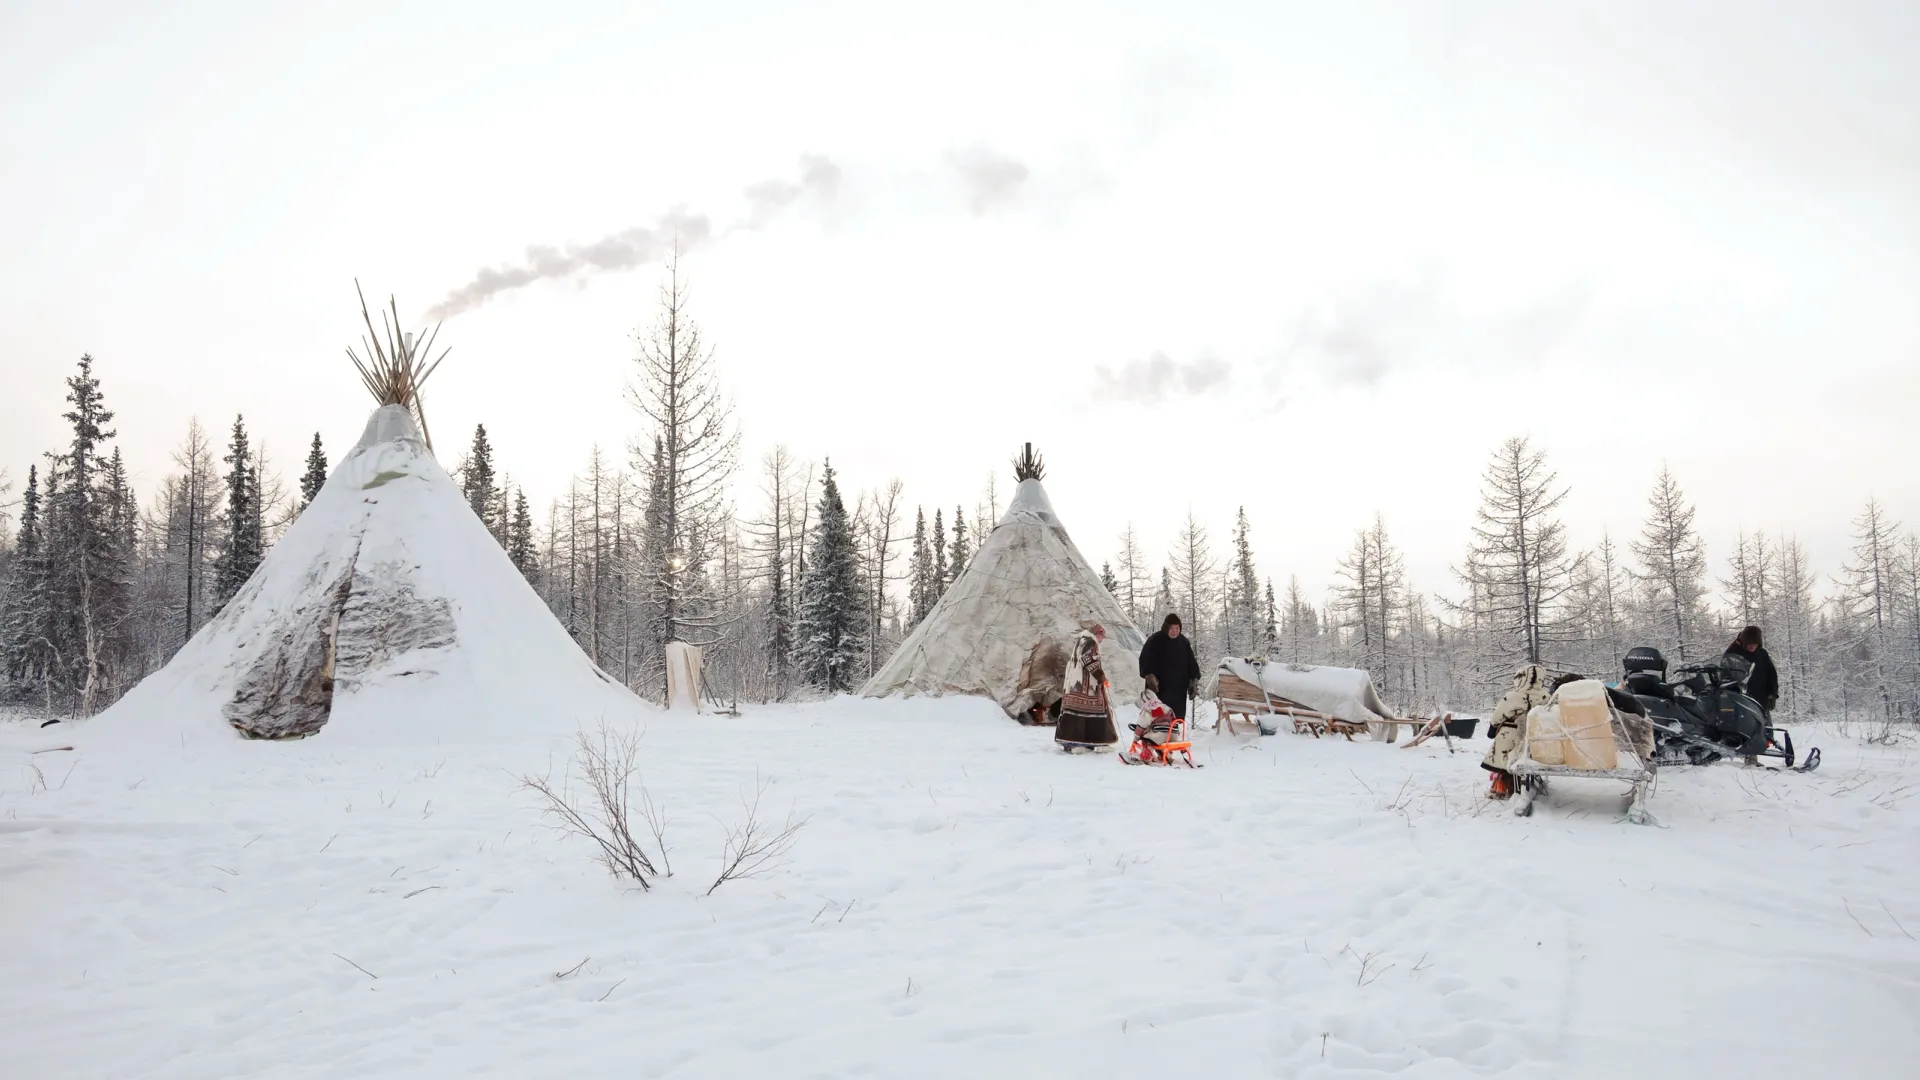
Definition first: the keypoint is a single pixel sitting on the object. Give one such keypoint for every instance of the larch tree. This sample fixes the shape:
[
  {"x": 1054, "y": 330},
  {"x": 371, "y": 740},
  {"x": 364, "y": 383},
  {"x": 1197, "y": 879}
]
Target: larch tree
[
  {"x": 777, "y": 539},
  {"x": 1749, "y": 579},
  {"x": 1193, "y": 567},
  {"x": 1672, "y": 570},
  {"x": 832, "y": 625},
  {"x": 1370, "y": 594},
  {"x": 1869, "y": 592},
  {"x": 1604, "y": 600},
  {"x": 686, "y": 458},
  {"x": 192, "y": 515},
  {"x": 1520, "y": 567},
  {"x": 1136, "y": 581},
  {"x": 882, "y": 533},
  {"x": 1791, "y": 635}
]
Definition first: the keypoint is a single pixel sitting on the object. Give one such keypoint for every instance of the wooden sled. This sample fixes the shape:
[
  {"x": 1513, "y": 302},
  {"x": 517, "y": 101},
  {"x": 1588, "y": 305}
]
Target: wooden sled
[{"x": 1234, "y": 696}]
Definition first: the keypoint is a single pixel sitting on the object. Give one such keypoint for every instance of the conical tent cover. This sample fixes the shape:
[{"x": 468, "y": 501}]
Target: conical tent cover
[
  {"x": 1026, "y": 586},
  {"x": 386, "y": 604}
]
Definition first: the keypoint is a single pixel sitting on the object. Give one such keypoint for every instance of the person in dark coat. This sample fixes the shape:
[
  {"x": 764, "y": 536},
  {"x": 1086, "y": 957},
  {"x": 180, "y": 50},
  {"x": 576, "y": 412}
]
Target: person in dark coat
[
  {"x": 1168, "y": 665},
  {"x": 1763, "y": 682}
]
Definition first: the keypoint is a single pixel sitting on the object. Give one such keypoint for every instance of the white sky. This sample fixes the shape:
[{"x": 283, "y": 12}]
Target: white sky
[{"x": 1370, "y": 240}]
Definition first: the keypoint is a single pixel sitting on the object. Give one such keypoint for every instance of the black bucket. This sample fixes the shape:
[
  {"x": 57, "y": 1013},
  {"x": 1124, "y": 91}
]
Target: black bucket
[{"x": 1461, "y": 727}]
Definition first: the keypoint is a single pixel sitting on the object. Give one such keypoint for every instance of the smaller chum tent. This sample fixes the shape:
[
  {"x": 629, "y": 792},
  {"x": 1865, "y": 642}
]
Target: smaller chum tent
[{"x": 1001, "y": 628}]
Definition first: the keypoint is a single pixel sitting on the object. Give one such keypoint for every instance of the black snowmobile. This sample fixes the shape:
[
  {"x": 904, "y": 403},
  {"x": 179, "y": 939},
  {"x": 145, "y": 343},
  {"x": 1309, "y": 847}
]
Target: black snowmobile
[{"x": 1703, "y": 714}]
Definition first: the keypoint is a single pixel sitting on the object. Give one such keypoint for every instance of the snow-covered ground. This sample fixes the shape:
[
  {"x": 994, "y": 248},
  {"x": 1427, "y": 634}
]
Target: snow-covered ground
[{"x": 963, "y": 901}]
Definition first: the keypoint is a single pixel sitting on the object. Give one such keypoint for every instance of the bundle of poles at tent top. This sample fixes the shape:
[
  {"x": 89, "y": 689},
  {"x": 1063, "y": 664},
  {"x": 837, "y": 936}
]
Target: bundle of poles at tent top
[{"x": 395, "y": 368}]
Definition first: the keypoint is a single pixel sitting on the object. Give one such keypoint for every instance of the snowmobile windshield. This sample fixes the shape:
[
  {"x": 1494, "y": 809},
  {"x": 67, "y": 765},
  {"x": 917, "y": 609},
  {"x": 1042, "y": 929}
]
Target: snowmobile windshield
[{"x": 1735, "y": 668}]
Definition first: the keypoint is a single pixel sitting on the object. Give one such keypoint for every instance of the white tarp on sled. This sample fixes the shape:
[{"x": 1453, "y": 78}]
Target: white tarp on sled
[{"x": 1342, "y": 693}]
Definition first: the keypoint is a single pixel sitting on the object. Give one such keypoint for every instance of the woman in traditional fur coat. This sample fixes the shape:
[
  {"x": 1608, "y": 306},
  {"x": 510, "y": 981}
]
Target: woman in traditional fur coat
[
  {"x": 1529, "y": 688},
  {"x": 1086, "y": 721}
]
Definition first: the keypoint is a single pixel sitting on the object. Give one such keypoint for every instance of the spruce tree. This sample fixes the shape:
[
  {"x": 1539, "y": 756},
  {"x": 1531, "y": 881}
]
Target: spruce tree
[
  {"x": 240, "y": 549},
  {"x": 85, "y": 551},
  {"x": 520, "y": 539},
  {"x": 477, "y": 478},
  {"x": 1163, "y": 604},
  {"x": 112, "y": 624},
  {"x": 919, "y": 584},
  {"x": 1107, "y": 580},
  {"x": 315, "y": 477},
  {"x": 25, "y": 611},
  {"x": 957, "y": 558},
  {"x": 833, "y": 609},
  {"x": 1270, "y": 628},
  {"x": 938, "y": 541},
  {"x": 1243, "y": 592}
]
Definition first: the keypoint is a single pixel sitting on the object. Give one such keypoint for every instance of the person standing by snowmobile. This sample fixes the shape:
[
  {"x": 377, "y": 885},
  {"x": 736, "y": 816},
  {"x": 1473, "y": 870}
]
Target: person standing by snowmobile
[
  {"x": 1168, "y": 665},
  {"x": 1763, "y": 682},
  {"x": 1086, "y": 721}
]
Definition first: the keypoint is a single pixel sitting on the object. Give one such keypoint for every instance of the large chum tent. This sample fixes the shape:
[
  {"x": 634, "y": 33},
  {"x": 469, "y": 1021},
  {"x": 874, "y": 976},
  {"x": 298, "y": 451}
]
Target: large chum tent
[
  {"x": 1027, "y": 589},
  {"x": 387, "y": 602}
]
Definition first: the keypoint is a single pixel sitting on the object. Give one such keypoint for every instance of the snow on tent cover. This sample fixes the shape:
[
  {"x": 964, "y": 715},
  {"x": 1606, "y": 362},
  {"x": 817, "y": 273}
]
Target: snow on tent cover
[
  {"x": 999, "y": 628},
  {"x": 387, "y": 602}
]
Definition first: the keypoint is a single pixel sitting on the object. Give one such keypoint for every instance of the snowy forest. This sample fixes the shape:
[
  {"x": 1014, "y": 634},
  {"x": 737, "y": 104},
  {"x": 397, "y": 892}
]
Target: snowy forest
[{"x": 793, "y": 586}]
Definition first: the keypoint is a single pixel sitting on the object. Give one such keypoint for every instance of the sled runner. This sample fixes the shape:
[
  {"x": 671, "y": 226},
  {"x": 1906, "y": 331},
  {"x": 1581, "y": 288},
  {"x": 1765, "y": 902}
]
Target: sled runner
[{"x": 1578, "y": 734}]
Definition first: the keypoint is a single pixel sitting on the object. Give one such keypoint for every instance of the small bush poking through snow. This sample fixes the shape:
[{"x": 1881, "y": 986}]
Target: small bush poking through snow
[
  {"x": 608, "y": 763},
  {"x": 755, "y": 846}
]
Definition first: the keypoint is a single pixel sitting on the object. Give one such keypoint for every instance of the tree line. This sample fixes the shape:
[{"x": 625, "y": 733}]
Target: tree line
[{"x": 801, "y": 588}]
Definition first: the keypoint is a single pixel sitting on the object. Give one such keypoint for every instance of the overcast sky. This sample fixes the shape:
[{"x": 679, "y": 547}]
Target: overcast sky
[{"x": 1313, "y": 259}]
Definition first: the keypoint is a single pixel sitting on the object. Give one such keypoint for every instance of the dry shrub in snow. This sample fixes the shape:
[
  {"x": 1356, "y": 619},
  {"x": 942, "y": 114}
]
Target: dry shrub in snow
[
  {"x": 608, "y": 764},
  {"x": 755, "y": 846}
]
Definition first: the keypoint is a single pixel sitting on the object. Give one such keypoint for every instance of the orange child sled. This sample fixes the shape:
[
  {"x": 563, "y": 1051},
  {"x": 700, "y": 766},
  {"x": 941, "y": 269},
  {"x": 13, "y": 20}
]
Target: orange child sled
[{"x": 1159, "y": 737}]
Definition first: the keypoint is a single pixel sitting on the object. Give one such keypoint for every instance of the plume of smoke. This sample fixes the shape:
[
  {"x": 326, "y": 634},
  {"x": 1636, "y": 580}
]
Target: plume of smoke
[
  {"x": 988, "y": 177},
  {"x": 623, "y": 250},
  {"x": 767, "y": 200},
  {"x": 1366, "y": 335},
  {"x": 1159, "y": 377},
  {"x": 819, "y": 183}
]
